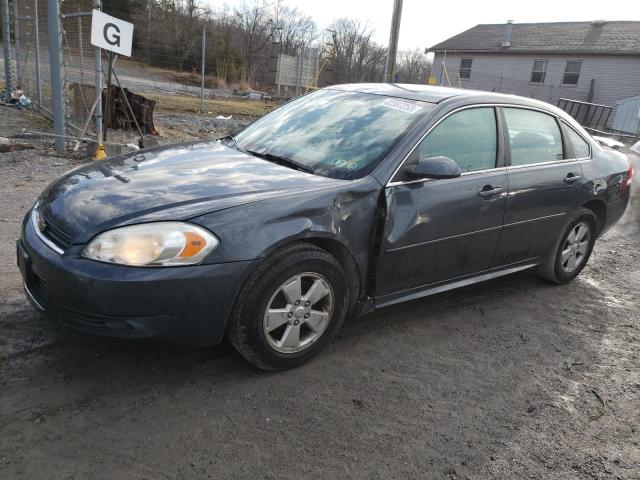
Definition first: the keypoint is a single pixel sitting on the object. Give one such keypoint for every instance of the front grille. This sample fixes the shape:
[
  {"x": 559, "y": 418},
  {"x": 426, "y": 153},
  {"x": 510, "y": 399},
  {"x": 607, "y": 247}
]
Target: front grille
[
  {"x": 55, "y": 234},
  {"x": 37, "y": 288}
]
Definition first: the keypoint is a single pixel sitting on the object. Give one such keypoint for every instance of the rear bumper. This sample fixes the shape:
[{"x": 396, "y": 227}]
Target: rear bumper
[
  {"x": 615, "y": 211},
  {"x": 129, "y": 302}
]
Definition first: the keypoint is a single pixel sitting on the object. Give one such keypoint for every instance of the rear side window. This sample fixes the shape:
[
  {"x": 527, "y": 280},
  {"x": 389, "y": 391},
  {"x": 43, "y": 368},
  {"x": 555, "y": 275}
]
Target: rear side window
[
  {"x": 468, "y": 137},
  {"x": 579, "y": 144},
  {"x": 534, "y": 137}
]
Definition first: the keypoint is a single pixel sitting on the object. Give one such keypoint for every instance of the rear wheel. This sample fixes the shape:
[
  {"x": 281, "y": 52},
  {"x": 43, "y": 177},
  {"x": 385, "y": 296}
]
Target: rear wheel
[
  {"x": 573, "y": 248},
  {"x": 290, "y": 308}
]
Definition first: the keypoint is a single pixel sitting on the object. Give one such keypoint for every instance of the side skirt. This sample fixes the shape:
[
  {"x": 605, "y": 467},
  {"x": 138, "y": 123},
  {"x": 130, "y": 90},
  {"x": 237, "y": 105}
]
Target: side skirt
[{"x": 427, "y": 290}]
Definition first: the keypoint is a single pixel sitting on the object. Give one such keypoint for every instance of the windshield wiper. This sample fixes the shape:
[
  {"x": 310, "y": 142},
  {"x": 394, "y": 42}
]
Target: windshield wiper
[
  {"x": 284, "y": 161},
  {"x": 233, "y": 141}
]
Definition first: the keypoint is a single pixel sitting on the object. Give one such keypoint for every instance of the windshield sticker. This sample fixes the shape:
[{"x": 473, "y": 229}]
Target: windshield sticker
[
  {"x": 400, "y": 105},
  {"x": 345, "y": 164},
  {"x": 352, "y": 165}
]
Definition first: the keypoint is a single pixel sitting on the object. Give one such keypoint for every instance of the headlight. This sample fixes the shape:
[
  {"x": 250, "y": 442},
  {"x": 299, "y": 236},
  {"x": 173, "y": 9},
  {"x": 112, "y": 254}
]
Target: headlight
[{"x": 152, "y": 244}]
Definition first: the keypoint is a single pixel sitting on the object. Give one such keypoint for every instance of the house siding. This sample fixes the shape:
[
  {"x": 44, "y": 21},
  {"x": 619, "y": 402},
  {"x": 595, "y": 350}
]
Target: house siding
[{"x": 614, "y": 77}]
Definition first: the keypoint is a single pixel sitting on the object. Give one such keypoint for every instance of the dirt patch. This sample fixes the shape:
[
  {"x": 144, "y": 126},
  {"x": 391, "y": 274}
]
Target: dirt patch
[{"x": 514, "y": 378}]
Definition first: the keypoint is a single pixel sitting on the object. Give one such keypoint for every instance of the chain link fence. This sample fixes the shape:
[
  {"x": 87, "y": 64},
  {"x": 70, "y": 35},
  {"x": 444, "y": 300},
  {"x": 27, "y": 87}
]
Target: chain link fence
[
  {"x": 31, "y": 53},
  {"x": 78, "y": 61},
  {"x": 31, "y": 57},
  {"x": 155, "y": 70}
]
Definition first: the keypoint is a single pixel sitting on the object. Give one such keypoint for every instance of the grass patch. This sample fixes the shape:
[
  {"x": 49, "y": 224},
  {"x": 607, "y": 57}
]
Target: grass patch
[{"x": 216, "y": 106}]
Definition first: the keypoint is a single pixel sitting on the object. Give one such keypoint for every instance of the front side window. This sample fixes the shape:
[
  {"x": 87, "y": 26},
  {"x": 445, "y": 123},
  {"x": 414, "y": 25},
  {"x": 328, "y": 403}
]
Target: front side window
[
  {"x": 469, "y": 137},
  {"x": 333, "y": 133},
  {"x": 572, "y": 73},
  {"x": 465, "y": 68},
  {"x": 580, "y": 146},
  {"x": 539, "y": 71},
  {"x": 534, "y": 137}
]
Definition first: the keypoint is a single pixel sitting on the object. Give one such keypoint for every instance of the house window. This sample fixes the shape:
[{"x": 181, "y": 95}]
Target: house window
[
  {"x": 572, "y": 73},
  {"x": 539, "y": 71},
  {"x": 465, "y": 68}
]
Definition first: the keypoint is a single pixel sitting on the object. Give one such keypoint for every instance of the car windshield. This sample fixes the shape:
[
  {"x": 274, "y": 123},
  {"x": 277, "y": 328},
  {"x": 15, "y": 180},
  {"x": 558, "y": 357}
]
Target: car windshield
[{"x": 333, "y": 133}]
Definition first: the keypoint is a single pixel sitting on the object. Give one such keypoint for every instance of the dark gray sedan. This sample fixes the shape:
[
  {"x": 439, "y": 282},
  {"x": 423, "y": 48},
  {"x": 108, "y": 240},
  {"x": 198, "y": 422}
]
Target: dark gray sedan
[{"x": 340, "y": 202}]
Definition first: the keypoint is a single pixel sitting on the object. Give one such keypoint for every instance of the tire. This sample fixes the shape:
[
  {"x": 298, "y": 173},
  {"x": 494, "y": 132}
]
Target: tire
[
  {"x": 269, "y": 297},
  {"x": 557, "y": 269}
]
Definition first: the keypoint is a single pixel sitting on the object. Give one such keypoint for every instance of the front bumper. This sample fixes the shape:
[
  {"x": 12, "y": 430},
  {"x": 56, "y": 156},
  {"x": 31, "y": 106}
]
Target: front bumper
[{"x": 119, "y": 301}]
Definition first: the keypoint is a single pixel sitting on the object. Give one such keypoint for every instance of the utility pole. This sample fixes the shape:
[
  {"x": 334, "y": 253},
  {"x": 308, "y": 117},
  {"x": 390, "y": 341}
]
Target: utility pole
[
  {"x": 390, "y": 66},
  {"x": 99, "y": 153},
  {"x": 55, "y": 68},
  {"x": 204, "y": 46},
  {"x": 6, "y": 39}
]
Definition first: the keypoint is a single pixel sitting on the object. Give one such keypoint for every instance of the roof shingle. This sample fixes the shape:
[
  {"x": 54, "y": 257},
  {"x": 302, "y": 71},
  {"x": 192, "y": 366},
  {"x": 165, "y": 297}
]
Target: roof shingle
[{"x": 622, "y": 38}]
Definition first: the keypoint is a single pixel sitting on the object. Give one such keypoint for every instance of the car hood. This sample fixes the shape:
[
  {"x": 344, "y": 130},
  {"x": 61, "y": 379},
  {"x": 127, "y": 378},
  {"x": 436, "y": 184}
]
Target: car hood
[{"x": 166, "y": 183}]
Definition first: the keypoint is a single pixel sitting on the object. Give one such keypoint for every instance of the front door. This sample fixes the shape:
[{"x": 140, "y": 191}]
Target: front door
[
  {"x": 438, "y": 230},
  {"x": 544, "y": 182}
]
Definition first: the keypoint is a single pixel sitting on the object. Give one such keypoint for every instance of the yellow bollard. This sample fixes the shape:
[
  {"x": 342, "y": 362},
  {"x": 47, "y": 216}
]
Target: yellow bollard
[{"x": 100, "y": 154}]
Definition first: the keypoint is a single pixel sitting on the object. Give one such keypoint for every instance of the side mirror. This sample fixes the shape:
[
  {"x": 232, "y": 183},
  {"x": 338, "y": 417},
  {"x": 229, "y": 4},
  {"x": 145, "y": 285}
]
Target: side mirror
[{"x": 434, "y": 167}]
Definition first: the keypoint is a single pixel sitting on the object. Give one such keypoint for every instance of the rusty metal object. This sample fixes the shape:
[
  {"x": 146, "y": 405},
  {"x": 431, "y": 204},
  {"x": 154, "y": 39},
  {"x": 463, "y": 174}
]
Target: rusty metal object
[
  {"x": 15, "y": 147},
  {"x": 118, "y": 116}
]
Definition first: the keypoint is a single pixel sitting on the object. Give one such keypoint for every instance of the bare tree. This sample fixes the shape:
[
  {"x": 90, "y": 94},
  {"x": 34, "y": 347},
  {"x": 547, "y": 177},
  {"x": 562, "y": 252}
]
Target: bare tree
[
  {"x": 184, "y": 20},
  {"x": 172, "y": 32},
  {"x": 355, "y": 57},
  {"x": 256, "y": 28},
  {"x": 243, "y": 41},
  {"x": 413, "y": 67},
  {"x": 293, "y": 30}
]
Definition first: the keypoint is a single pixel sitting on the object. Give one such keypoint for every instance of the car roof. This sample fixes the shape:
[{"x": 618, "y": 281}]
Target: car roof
[{"x": 431, "y": 94}]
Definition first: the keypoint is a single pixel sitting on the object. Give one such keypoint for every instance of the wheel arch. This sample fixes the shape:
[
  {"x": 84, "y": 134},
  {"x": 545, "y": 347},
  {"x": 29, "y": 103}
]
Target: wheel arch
[
  {"x": 335, "y": 247},
  {"x": 599, "y": 209}
]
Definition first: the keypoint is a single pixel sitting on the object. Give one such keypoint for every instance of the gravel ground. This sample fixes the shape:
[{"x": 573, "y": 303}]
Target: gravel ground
[{"x": 514, "y": 378}]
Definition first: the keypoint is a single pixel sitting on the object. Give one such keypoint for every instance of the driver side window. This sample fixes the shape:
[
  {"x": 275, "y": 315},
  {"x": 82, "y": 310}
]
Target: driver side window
[{"x": 468, "y": 137}]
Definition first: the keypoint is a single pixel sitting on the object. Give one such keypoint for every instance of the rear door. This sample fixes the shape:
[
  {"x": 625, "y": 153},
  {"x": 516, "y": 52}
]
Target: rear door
[
  {"x": 438, "y": 230},
  {"x": 544, "y": 181}
]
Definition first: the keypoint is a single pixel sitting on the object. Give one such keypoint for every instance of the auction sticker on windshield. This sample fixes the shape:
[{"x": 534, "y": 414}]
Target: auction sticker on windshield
[{"x": 406, "y": 107}]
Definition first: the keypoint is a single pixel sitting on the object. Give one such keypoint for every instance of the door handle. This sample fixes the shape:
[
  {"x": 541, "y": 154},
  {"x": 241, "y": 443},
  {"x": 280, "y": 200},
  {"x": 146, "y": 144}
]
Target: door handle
[
  {"x": 572, "y": 178},
  {"x": 488, "y": 192}
]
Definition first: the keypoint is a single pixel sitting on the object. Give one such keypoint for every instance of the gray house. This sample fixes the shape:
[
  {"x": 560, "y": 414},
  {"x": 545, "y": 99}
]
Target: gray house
[{"x": 597, "y": 62}]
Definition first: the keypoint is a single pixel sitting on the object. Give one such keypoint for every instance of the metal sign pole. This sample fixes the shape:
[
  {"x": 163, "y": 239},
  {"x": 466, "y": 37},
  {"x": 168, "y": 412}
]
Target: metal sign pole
[
  {"x": 99, "y": 153},
  {"x": 204, "y": 37},
  {"x": 107, "y": 114},
  {"x": 115, "y": 36}
]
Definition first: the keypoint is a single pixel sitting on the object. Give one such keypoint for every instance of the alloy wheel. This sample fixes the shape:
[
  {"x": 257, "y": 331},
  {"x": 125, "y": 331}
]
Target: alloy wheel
[
  {"x": 575, "y": 247},
  {"x": 298, "y": 312}
]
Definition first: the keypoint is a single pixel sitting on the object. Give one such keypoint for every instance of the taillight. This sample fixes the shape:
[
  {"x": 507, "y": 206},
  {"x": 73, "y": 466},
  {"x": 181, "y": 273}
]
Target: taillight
[{"x": 627, "y": 183}]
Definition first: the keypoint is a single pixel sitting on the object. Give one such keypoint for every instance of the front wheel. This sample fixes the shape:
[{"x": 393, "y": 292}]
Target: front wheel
[
  {"x": 290, "y": 308},
  {"x": 573, "y": 248}
]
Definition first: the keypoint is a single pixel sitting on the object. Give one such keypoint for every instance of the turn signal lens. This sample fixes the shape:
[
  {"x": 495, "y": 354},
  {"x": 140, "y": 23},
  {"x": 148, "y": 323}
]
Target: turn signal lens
[
  {"x": 194, "y": 243},
  {"x": 153, "y": 244}
]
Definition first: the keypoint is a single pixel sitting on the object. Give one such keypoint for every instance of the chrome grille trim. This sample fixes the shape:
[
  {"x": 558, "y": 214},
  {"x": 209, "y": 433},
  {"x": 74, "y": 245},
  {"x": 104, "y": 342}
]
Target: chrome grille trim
[{"x": 40, "y": 235}]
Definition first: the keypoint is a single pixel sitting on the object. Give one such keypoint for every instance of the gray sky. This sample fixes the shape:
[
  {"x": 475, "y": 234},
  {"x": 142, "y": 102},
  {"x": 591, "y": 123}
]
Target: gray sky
[{"x": 425, "y": 23}]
